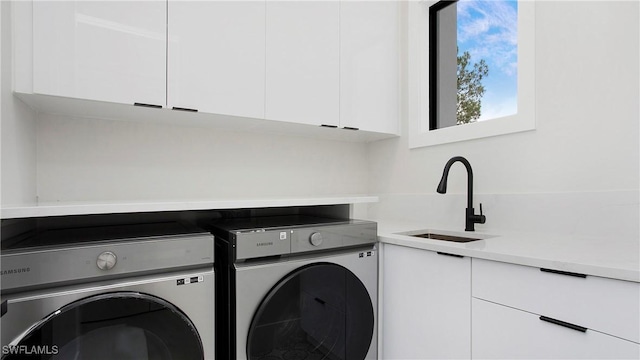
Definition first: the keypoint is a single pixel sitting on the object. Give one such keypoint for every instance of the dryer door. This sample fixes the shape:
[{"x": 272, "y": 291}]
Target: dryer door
[
  {"x": 119, "y": 325},
  {"x": 317, "y": 311}
]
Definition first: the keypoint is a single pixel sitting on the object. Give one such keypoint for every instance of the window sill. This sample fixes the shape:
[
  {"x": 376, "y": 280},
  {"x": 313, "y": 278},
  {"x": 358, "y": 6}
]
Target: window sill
[{"x": 477, "y": 130}]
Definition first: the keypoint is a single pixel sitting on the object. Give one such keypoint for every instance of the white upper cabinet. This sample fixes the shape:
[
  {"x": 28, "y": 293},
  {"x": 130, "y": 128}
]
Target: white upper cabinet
[
  {"x": 216, "y": 57},
  {"x": 111, "y": 51},
  {"x": 302, "y": 62},
  {"x": 369, "y": 59},
  {"x": 331, "y": 63}
]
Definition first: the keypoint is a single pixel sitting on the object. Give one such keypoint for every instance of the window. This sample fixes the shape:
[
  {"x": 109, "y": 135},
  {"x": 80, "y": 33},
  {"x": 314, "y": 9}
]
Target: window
[{"x": 471, "y": 70}]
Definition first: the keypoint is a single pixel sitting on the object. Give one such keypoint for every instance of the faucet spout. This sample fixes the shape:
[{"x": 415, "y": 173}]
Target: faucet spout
[{"x": 471, "y": 217}]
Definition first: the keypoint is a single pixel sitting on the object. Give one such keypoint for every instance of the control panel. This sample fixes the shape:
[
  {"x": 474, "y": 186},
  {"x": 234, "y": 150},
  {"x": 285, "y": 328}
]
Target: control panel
[{"x": 274, "y": 237}]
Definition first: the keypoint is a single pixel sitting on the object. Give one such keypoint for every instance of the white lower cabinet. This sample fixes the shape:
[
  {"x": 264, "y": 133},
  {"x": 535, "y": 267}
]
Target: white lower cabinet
[
  {"x": 527, "y": 312},
  {"x": 442, "y": 306},
  {"x": 502, "y": 332},
  {"x": 426, "y": 305}
]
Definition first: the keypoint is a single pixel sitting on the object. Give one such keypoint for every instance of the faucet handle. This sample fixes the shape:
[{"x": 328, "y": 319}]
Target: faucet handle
[{"x": 481, "y": 217}]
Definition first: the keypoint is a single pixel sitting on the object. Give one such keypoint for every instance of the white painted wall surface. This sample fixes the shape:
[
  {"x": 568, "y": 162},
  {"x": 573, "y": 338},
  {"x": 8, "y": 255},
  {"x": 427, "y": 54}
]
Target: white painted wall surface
[
  {"x": 608, "y": 214},
  {"x": 18, "y": 128},
  {"x": 102, "y": 160},
  {"x": 586, "y": 139},
  {"x": 587, "y": 118}
]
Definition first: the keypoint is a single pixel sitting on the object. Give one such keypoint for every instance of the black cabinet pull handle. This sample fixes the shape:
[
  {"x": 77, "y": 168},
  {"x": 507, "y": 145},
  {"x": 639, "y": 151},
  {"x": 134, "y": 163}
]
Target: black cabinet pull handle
[
  {"x": 148, "y": 105},
  {"x": 565, "y": 324},
  {"x": 447, "y": 254},
  {"x": 329, "y": 126},
  {"x": 563, "y": 273},
  {"x": 350, "y": 128},
  {"x": 184, "y": 109}
]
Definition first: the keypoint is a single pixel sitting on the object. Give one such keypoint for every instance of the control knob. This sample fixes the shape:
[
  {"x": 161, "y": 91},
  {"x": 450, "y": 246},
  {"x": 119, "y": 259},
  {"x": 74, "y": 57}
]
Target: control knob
[
  {"x": 106, "y": 261},
  {"x": 316, "y": 239}
]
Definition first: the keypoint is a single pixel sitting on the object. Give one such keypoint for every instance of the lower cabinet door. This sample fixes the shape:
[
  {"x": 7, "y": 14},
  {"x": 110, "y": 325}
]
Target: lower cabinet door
[
  {"x": 426, "y": 309},
  {"x": 501, "y": 332}
]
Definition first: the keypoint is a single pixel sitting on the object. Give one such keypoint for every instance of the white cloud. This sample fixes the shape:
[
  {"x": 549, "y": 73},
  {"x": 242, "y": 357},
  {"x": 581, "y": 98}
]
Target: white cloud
[
  {"x": 496, "y": 109},
  {"x": 489, "y": 30}
]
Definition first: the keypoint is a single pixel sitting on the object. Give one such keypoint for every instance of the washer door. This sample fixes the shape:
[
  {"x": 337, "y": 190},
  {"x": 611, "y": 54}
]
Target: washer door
[
  {"x": 318, "y": 311},
  {"x": 121, "y": 325}
]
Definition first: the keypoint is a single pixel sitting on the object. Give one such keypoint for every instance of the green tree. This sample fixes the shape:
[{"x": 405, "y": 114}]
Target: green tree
[{"x": 470, "y": 88}]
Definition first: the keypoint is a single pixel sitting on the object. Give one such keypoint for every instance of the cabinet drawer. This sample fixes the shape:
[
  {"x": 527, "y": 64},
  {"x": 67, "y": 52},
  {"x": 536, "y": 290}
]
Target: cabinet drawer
[
  {"x": 606, "y": 305},
  {"x": 500, "y": 332}
]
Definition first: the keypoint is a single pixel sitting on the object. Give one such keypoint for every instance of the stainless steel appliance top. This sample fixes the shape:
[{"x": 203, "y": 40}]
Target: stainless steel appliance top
[
  {"x": 259, "y": 223},
  {"x": 54, "y": 256},
  {"x": 260, "y": 237},
  {"x": 53, "y": 237}
]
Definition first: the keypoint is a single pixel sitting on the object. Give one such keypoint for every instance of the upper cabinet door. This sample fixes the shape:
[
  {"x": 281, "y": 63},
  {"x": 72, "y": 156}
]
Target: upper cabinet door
[
  {"x": 302, "y": 82},
  {"x": 369, "y": 62},
  {"x": 101, "y": 50},
  {"x": 216, "y": 61}
]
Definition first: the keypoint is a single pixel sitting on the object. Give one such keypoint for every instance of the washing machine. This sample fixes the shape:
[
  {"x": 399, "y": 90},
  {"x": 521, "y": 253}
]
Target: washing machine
[
  {"x": 296, "y": 287},
  {"x": 136, "y": 291}
]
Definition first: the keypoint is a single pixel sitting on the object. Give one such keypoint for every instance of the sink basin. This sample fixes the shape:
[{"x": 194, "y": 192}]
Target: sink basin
[
  {"x": 446, "y": 235},
  {"x": 435, "y": 236}
]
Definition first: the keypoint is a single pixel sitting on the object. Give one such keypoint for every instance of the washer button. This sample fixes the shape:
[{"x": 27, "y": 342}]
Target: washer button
[
  {"x": 316, "y": 239},
  {"x": 106, "y": 261}
]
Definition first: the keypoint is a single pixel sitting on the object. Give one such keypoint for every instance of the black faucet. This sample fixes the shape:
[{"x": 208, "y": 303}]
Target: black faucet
[{"x": 471, "y": 218}]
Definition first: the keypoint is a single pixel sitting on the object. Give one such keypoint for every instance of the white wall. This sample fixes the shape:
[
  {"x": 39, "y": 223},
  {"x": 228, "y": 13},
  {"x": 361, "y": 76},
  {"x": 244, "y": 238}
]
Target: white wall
[
  {"x": 587, "y": 120},
  {"x": 18, "y": 128},
  {"x": 102, "y": 160},
  {"x": 586, "y": 139}
]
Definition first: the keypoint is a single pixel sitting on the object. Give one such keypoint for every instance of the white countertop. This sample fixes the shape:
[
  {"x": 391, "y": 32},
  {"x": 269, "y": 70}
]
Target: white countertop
[
  {"x": 87, "y": 208},
  {"x": 615, "y": 257}
]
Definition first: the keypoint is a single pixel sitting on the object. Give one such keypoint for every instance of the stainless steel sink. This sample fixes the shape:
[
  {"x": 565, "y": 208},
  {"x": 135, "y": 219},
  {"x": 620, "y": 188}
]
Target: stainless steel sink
[
  {"x": 453, "y": 238},
  {"x": 447, "y": 235}
]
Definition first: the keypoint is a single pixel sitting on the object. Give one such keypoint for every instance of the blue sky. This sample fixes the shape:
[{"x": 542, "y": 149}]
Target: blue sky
[{"x": 488, "y": 29}]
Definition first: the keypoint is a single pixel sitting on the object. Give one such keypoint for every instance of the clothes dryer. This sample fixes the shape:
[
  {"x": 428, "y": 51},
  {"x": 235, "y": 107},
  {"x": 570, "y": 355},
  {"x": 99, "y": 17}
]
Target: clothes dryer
[{"x": 296, "y": 287}]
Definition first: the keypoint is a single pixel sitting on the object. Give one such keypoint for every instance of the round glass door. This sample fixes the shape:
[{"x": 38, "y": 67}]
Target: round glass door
[
  {"x": 122, "y": 325},
  {"x": 320, "y": 311}
]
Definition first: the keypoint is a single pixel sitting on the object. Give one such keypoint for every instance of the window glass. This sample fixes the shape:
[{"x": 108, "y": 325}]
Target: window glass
[
  {"x": 488, "y": 32},
  {"x": 473, "y": 61}
]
